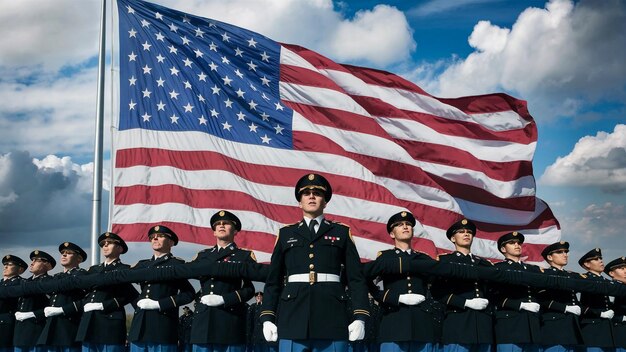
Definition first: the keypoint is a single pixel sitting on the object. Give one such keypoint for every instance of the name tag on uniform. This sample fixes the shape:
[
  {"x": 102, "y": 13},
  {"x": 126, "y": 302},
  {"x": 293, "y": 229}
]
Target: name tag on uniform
[{"x": 292, "y": 240}]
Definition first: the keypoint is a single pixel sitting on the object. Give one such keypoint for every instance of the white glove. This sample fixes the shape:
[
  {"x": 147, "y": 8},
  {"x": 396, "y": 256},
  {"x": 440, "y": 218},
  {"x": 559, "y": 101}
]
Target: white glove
[
  {"x": 356, "y": 330},
  {"x": 270, "y": 331},
  {"x": 529, "y": 306},
  {"x": 21, "y": 316},
  {"x": 572, "y": 309},
  {"x": 623, "y": 319},
  {"x": 52, "y": 311},
  {"x": 93, "y": 306},
  {"x": 212, "y": 300},
  {"x": 148, "y": 304},
  {"x": 607, "y": 314},
  {"x": 411, "y": 299},
  {"x": 476, "y": 303}
]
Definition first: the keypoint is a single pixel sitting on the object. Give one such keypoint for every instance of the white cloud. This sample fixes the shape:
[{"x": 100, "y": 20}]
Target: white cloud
[
  {"x": 561, "y": 58},
  {"x": 437, "y": 6},
  {"x": 50, "y": 34},
  {"x": 598, "y": 160}
]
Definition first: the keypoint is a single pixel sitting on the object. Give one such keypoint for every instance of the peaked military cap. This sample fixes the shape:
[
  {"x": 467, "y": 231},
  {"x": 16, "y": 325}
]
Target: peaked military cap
[
  {"x": 314, "y": 181},
  {"x": 553, "y": 248},
  {"x": 509, "y": 237},
  {"x": 592, "y": 254},
  {"x": 614, "y": 264},
  {"x": 43, "y": 255},
  {"x": 73, "y": 247},
  {"x": 400, "y": 217},
  {"x": 165, "y": 231},
  {"x": 115, "y": 238},
  {"x": 461, "y": 224},
  {"x": 225, "y": 215},
  {"x": 15, "y": 260}
]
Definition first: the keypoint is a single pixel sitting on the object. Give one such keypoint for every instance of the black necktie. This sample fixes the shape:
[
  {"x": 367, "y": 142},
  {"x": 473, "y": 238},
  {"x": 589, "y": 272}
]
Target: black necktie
[{"x": 312, "y": 226}]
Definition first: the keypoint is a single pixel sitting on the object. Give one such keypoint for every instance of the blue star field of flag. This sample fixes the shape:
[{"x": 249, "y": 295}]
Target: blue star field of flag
[{"x": 180, "y": 72}]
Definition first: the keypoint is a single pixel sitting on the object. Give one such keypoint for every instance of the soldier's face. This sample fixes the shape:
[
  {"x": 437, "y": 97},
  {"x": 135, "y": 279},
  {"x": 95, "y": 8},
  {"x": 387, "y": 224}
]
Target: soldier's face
[
  {"x": 110, "y": 249},
  {"x": 11, "y": 270},
  {"x": 559, "y": 257},
  {"x": 595, "y": 265},
  {"x": 312, "y": 202},
  {"x": 619, "y": 274},
  {"x": 69, "y": 258},
  {"x": 161, "y": 243},
  {"x": 402, "y": 230},
  {"x": 513, "y": 248},
  {"x": 39, "y": 266},
  {"x": 463, "y": 238},
  {"x": 224, "y": 230}
]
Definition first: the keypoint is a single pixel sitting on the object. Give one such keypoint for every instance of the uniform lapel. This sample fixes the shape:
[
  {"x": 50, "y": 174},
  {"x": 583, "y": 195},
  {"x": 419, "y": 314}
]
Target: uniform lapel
[
  {"x": 325, "y": 226},
  {"x": 303, "y": 231},
  {"x": 226, "y": 252}
]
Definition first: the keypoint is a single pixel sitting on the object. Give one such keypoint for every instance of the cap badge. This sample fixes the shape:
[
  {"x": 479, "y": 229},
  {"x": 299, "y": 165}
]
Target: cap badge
[
  {"x": 515, "y": 233},
  {"x": 562, "y": 242},
  {"x": 464, "y": 221},
  {"x": 36, "y": 252},
  {"x": 311, "y": 177},
  {"x": 403, "y": 214},
  {"x": 66, "y": 244},
  {"x": 156, "y": 228},
  {"x": 222, "y": 213}
]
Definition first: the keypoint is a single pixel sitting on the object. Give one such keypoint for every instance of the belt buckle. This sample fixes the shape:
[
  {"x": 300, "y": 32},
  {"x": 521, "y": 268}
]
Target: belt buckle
[{"x": 312, "y": 277}]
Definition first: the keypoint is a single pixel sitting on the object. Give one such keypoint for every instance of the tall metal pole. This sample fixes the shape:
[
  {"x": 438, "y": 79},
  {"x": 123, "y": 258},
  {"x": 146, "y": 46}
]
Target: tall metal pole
[{"x": 96, "y": 208}]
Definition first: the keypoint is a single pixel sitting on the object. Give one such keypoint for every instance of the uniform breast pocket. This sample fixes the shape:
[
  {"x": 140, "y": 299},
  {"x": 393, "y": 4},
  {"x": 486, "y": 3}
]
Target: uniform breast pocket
[{"x": 290, "y": 292}]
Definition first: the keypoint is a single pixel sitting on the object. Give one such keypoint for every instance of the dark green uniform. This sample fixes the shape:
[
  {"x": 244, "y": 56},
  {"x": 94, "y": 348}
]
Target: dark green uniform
[{"x": 314, "y": 310}]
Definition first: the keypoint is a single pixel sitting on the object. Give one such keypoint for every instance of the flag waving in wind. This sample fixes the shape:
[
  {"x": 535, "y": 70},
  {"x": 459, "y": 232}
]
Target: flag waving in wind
[{"x": 213, "y": 116}]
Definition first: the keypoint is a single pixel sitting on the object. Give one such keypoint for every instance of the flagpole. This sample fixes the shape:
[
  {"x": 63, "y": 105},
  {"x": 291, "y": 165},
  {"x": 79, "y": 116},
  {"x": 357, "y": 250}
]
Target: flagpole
[{"x": 96, "y": 208}]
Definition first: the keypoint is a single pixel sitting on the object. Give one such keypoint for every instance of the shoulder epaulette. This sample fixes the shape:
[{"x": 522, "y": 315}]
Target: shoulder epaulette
[
  {"x": 379, "y": 254},
  {"x": 289, "y": 225}
]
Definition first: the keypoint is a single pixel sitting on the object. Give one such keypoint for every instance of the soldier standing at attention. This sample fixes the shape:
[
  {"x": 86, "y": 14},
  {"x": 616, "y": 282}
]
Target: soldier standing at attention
[
  {"x": 103, "y": 325},
  {"x": 560, "y": 331},
  {"x": 65, "y": 308},
  {"x": 518, "y": 321},
  {"x": 616, "y": 269},
  {"x": 219, "y": 322},
  {"x": 30, "y": 309},
  {"x": 304, "y": 299},
  {"x": 155, "y": 324},
  {"x": 595, "y": 319},
  {"x": 184, "y": 330},
  {"x": 13, "y": 268},
  {"x": 467, "y": 325},
  {"x": 407, "y": 323}
]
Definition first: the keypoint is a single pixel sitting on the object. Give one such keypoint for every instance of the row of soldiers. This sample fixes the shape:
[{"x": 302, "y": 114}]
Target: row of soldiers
[{"x": 316, "y": 293}]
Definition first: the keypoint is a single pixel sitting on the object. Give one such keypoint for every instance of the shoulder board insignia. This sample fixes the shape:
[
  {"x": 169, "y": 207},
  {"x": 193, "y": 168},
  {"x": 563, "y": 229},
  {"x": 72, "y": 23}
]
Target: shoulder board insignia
[
  {"x": 540, "y": 268},
  {"x": 350, "y": 234},
  {"x": 252, "y": 256},
  {"x": 341, "y": 223},
  {"x": 195, "y": 256},
  {"x": 379, "y": 254},
  {"x": 583, "y": 276},
  {"x": 288, "y": 225},
  {"x": 179, "y": 258}
]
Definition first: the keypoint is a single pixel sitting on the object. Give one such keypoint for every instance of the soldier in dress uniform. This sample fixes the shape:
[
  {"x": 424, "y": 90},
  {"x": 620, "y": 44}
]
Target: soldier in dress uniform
[
  {"x": 64, "y": 310},
  {"x": 30, "y": 309},
  {"x": 407, "y": 323},
  {"x": 305, "y": 300},
  {"x": 560, "y": 330},
  {"x": 467, "y": 325},
  {"x": 616, "y": 269},
  {"x": 595, "y": 319},
  {"x": 184, "y": 330},
  {"x": 103, "y": 325},
  {"x": 13, "y": 267},
  {"x": 155, "y": 324},
  {"x": 219, "y": 323},
  {"x": 518, "y": 321},
  {"x": 256, "y": 340}
]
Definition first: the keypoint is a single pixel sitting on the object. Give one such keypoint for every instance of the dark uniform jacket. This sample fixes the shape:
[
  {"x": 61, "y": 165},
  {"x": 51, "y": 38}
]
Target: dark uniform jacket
[
  {"x": 254, "y": 326},
  {"x": 401, "y": 322},
  {"x": 464, "y": 325},
  {"x": 513, "y": 325},
  {"x": 27, "y": 332},
  {"x": 225, "y": 324},
  {"x": 596, "y": 331},
  {"x": 316, "y": 310},
  {"x": 558, "y": 327},
  {"x": 8, "y": 306},
  {"x": 60, "y": 330},
  {"x": 619, "y": 326},
  {"x": 106, "y": 326},
  {"x": 160, "y": 326},
  {"x": 184, "y": 328}
]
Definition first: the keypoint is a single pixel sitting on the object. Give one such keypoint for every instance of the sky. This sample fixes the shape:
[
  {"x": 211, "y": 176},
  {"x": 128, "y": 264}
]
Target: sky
[{"x": 565, "y": 58}]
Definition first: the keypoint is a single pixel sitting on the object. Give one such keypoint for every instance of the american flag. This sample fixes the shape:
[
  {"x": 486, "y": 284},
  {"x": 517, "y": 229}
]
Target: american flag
[{"x": 213, "y": 116}]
